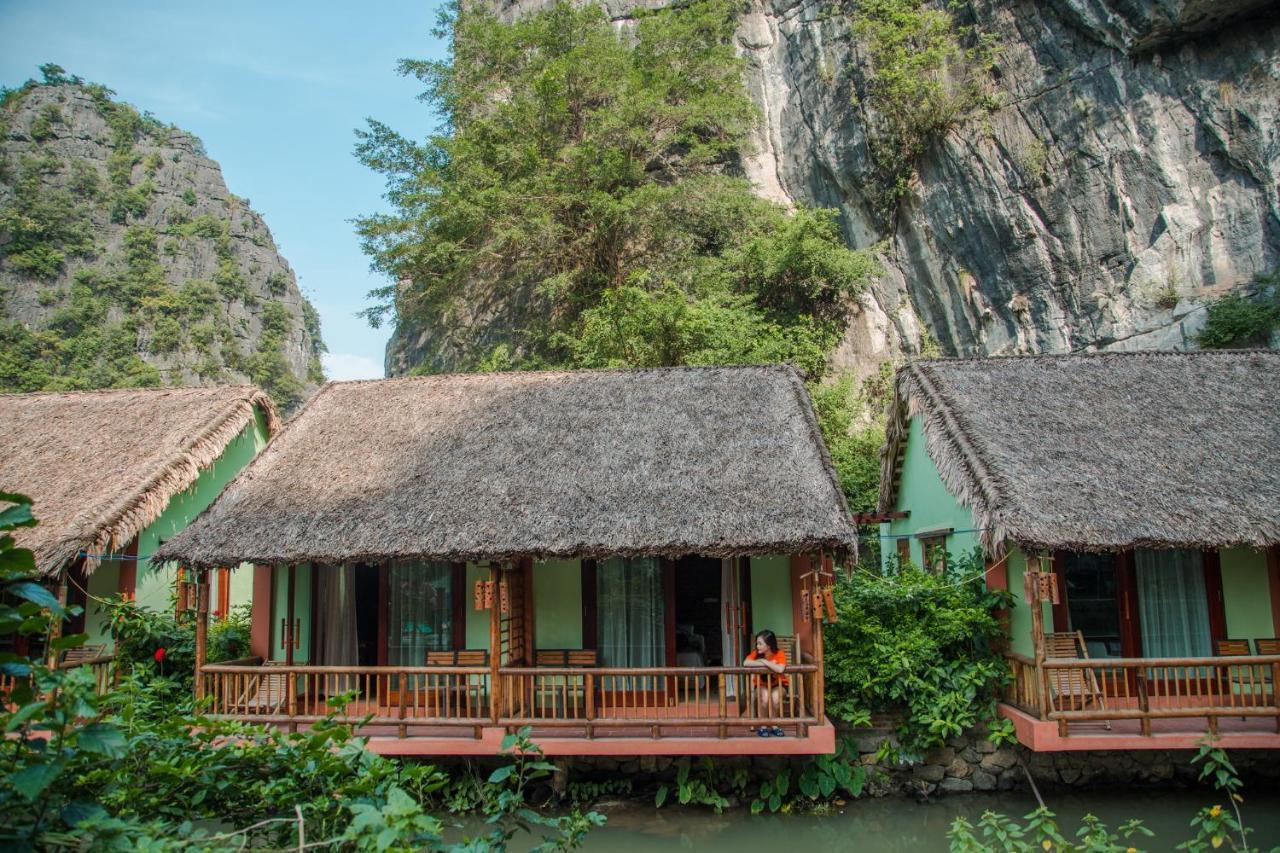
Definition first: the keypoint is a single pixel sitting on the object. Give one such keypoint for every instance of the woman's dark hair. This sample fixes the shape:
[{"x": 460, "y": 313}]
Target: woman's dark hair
[{"x": 770, "y": 639}]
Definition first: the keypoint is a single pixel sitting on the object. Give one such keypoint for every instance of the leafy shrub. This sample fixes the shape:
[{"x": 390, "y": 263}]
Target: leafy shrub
[
  {"x": 135, "y": 769},
  {"x": 189, "y": 197},
  {"x": 1238, "y": 321},
  {"x": 927, "y": 75},
  {"x": 919, "y": 644}
]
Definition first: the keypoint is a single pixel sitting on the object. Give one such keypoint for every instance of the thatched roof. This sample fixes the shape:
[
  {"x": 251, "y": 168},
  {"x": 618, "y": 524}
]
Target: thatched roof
[
  {"x": 716, "y": 461},
  {"x": 102, "y": 465},
  {"x": 1103, "y": 451}
]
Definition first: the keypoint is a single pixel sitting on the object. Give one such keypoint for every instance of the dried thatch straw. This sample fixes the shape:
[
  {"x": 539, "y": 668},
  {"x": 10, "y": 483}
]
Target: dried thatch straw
[
  {"x": 102, "y": 465},
  {"x": 716, "y": 461},
  {"x": 1102, "y": 451}
]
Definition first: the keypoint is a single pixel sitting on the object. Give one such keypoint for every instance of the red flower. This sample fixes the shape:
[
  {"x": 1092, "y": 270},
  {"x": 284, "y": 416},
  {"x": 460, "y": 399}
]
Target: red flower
[{"x": 160, "y": 655}]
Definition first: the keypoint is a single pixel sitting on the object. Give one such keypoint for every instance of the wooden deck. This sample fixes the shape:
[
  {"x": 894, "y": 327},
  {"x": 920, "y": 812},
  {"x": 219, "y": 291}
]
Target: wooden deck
[
  {"x": 1143, "y": 703},
  {"x": 456, "y": 710},
  {"x": 1168, "y": 733}
]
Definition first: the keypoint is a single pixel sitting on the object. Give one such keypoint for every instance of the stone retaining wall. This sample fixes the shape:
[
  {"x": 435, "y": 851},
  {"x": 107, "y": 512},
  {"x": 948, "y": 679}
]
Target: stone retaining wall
[{"x": 969, "y": 763}]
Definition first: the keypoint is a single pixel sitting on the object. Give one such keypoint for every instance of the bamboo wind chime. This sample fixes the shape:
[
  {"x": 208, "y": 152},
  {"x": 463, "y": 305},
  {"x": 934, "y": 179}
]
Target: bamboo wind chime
[{"x": 817, "y": 597}]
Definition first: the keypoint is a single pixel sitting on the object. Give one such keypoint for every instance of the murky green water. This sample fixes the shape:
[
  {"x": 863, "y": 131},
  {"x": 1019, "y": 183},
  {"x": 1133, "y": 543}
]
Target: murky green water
[{"x": 894, "y": 824}]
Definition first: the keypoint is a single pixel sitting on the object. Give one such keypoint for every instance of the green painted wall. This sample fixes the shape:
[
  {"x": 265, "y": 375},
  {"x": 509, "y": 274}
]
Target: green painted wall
[
  {"x": 103, "y": 583},
  {"x": 155, "y": 583},
  {"x": 1020, "y": 613},
  {"x": 1246, "y": 594},
  {"x": 557, "y": 604},
  {"x": 932, "y": 507},
  {"x": 477, "y": 620},
  {"x": 771, "y": 595}
]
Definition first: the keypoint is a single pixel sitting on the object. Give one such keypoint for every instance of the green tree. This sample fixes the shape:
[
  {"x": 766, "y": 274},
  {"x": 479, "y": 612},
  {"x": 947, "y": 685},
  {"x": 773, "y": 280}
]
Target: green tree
[{"x": 583, "y": 180}]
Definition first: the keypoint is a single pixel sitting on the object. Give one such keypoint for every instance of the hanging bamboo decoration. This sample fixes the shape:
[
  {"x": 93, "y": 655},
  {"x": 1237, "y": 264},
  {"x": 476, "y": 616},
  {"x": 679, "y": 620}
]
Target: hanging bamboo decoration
[
  {"x": 806, "y": 605},
  {"x": 828, "y": 598},
  {"x": 478, "y": 595},
  {"x": 504, "y": 597},
  {"x": 488, "y": 594}
]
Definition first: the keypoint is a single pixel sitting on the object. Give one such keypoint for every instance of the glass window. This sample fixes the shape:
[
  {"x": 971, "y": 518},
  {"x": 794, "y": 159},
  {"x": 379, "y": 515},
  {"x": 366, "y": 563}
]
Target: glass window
[
  {"x": 630, "y": 612},
  {"x": 1093, "y": 601},
  {"x": 1173, "y": 605},
  {"x": 419, "y": 610}
]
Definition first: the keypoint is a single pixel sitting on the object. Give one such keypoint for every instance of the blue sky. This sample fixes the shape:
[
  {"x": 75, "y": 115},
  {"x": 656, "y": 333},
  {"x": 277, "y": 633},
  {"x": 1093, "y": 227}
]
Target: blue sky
[{"x": 275, "y": 90}]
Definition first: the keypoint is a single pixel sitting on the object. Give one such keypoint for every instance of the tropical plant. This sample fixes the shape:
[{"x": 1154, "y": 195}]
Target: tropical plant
[{"x": 921, "y": 644}]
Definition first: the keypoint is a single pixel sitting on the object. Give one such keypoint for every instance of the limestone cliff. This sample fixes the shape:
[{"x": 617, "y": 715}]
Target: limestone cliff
[
  {"x": 1129, "y": 170},
  {"x": 125, "y": 260}
]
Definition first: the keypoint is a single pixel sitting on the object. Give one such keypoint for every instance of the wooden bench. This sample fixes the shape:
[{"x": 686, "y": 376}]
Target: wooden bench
[
  {"x": 577, "y": 658},
  {"x": 458, "y": 657}
]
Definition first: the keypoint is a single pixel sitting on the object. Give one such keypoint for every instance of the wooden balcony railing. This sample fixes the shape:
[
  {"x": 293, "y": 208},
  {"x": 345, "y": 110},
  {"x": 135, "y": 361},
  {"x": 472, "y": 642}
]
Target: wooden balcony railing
[
  {"x": 603, "y": 700},
  {"x": 1145, "y": 689},
  {"x": 407, "y": 697},
  {"x": 598, "y": 700},
  {"x": 102, "y": 667}
]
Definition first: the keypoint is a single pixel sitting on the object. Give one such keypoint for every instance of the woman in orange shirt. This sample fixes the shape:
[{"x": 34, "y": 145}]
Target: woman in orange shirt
[{"x": 771, "y": 688}]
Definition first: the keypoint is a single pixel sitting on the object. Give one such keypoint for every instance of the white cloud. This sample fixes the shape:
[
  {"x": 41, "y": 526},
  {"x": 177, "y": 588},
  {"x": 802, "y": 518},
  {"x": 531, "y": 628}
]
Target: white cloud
[{"x": 341, "y": 365}]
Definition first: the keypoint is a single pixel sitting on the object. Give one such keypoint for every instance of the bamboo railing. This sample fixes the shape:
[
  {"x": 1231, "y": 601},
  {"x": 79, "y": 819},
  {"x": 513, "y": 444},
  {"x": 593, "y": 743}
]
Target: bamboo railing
[
  {"x": 1145, "y": 689},
  {"x": 613, "y": 700},
  {"x": 102, "y": 667},
  {"x": 407, "y": 697},
  {"x": 600, "y": 700}
]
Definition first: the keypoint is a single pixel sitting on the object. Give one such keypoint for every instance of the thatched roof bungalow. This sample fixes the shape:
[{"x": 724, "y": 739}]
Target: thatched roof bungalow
[
  {"x": 631, "y": 518},
  {"x": 1145, "y": 485},
  {"x": 107, "y": 469},
  {"x": 713, "y": 461}
]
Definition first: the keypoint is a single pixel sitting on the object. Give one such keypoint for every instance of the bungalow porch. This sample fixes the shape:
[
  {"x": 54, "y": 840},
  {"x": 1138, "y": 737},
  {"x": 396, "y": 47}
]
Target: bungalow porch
[
  {"x": 1131, "y": 504},
  {"x": 591, "y": 655},
  {"x": 585, "y": 554}
]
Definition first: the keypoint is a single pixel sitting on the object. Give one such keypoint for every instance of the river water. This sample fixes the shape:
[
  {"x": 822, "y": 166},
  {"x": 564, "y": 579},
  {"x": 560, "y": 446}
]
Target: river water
[{"x": 895, "y": 823}]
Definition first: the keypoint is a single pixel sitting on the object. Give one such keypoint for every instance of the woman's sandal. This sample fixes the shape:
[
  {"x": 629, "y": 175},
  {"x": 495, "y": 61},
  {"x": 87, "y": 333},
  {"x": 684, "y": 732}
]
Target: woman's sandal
[
  {"x": 777, "y": 731},
  {"x": 764, "y": 731}
]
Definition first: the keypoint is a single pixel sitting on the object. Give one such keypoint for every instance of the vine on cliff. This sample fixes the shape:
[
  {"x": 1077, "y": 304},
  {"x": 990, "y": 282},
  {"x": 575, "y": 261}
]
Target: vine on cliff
[{"x": 927, "y": 75}]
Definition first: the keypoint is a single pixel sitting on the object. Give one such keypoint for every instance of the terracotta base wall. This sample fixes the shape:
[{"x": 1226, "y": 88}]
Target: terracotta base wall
[{"x": 966, "y": 764}]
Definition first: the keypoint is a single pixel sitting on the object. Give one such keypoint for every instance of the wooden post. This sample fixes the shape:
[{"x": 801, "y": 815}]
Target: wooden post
[
  {"x": 722, "y": 731},
  {"x": 1037, "y": 641},
  {"x": 589, "y": 685},
  {"x": 55, "y": 627},
  {"x": 404, "y": 690},
  {"x": 495, "y": 648},
  {"x": 819, "y": 679},
  {"x": 202, "y": 629},
  {"x": 1144, "y": 703}
]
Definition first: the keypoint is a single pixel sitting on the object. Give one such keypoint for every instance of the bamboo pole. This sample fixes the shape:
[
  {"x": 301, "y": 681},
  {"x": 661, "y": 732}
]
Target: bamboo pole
[
  {"x": 495, "y": 646},
  {"x": 202, "y": 629},
  {"x": 55, "y": 628}
]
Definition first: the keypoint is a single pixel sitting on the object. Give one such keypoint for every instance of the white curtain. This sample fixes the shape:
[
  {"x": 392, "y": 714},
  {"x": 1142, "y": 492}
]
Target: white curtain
[
  {"x": 419, "y": 611},
  {"x": 632, "y": 623},
  {"x": 336, "y": 641},
  {"x": 1172, "y": 604},
  {"x": 731, "y": 632}
]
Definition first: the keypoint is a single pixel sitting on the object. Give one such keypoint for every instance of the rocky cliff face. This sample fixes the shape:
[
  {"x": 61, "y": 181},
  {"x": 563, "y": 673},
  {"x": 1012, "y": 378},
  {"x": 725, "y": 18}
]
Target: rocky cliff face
[
  {"x": 1130, "y": 171},
  {"x": 124, "y": 258}
]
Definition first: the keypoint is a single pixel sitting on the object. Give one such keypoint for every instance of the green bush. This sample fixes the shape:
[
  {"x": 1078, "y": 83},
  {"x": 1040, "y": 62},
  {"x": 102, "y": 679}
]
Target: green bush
[
  {"x": 928, "y": 73},
  {"x": 918, "y": 644},
  {"x": 1239, "y": 321}
]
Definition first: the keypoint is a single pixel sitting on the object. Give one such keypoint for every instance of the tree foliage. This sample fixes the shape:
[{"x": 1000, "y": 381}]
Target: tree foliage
[
  {"x": 139, "y": 768},
  {"x": 1239, "y": 320},
  {"x": 921, "y": 644},
  {"x": 584, "y": 180}
]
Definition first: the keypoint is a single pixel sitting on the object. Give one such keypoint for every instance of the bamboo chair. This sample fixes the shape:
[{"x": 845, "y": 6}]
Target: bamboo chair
[
  {"x": 1080, "y": 685},
  {"x": 1267, "y": 646},
  {"x": 1232, "y": 648},
  {"x": 83, "y": 653},
  {"x": 575, "y": 688},
  {"x": 267, "y": 693},
  {"x": 456, "y": 657}
]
